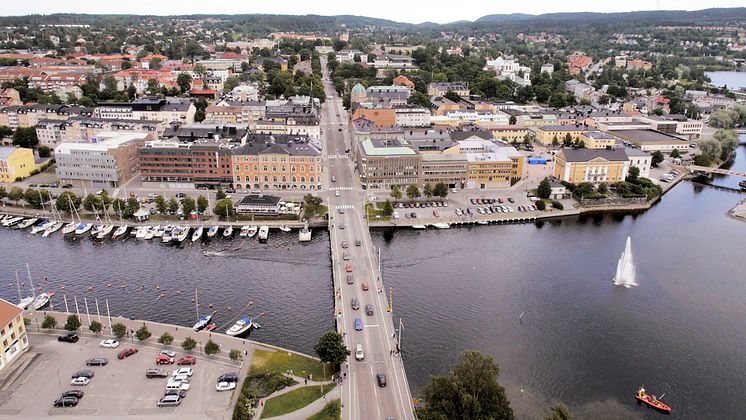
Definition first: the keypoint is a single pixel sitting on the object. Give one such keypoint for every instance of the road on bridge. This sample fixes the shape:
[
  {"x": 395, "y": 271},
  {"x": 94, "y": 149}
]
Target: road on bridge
[{"x": 362, "y": 397}]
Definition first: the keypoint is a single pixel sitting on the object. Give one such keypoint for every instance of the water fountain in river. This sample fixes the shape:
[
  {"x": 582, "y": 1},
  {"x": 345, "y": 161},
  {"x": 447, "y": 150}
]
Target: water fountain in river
[{"x": 625, "y": 269}]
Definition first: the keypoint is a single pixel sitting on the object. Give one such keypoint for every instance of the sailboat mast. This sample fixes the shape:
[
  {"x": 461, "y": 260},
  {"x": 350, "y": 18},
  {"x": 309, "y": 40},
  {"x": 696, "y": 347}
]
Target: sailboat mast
[
  {"x": 18, "y": 285},
  {"x": 33, "y": 292},
  {"x": 196, "y": 303}
]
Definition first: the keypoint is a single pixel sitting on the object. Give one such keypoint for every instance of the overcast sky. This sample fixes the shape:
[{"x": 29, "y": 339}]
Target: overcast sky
[{"x": 415, "y": 11}]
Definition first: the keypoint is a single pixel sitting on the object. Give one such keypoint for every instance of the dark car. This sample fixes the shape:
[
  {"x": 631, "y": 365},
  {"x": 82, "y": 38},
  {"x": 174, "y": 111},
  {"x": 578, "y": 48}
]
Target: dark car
[
  {"x": 180, "y": 195},
  {"x": 69, "y": 338},
  {"x": 381, "y": 379},
  {"x": 32, "y": 185},
  {"x": 355, "y": 304},
  {"x": 357, "y": 242},
  {"x": 127, "y": 353},
  {"x": 54, "y": 185},
  {"x": 156, "y": 373},
  {"x": 369, "y": 309},
  {"x": 178, "y": 392},
  {"x": 73, "y": 393},
  {"x": 187, "y": 360},
  {"x": 511, "y": 200},
  {"x": 230, "y": 190},
  {"x": 66, "y": 402},
  {"x": 228, "y": 377},
  {"x": 350, "y": 280},
  {"x": 97, "y": 361},
  {"x": 67, "y": 186},
  {"x": 83, "y": 374}
]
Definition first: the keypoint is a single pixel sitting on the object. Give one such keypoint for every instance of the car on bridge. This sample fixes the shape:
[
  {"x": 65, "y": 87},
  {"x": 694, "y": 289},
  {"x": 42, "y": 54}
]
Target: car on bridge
[
  {"x": 348, "y": 267},
  {"x": 355, "y": 304},
  {"x": 358, "y": 324},
  {"x": 369, "y": 309},
  {"x": 346, "y": 256},
  {"x": 350, "y": 279},
  {"x": 365, "y": 286}
]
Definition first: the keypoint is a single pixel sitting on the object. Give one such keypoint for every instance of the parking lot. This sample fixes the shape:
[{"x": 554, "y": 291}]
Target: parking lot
[{"x": 118, "y": 390}]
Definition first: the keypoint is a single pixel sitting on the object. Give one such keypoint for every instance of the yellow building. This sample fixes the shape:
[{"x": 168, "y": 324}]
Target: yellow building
[
  {"x": 597, "y": 140},
  {"x": 591, "y": 165},
  {"x": 507, "y": 133},
  {"x": 545, "y": 135},
  {"x": 489, "y": 164},
  {"x": 15, "y": 162},
  {"x": 13, "y": 339}
]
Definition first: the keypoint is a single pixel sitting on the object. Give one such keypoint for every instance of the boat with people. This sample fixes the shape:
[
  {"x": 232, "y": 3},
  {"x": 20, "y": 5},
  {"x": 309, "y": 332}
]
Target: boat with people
[
  {"x": 212, "y": 231},
  {"x": 652, "y": 401},
  {"x": 263, "y": 233},
  {"x": 244, "y": 231},
  {"x": 242, "y": 327},
  {"x": 197, "y": 235},
  {"x": 228, "y": 232},
  {"x": 40, "y": 227},
  {"x": 252, "y": 231},
  {"x": 121, "y": 230}
]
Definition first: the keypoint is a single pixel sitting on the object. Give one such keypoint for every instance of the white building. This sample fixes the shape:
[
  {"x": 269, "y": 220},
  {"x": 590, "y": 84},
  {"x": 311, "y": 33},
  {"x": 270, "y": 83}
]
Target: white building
[
  {"x": 412, "y": 117},
  {"x": 640, "y": 159}
]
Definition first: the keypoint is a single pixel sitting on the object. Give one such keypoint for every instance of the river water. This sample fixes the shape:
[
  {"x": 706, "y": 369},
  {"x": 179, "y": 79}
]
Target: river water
[
  {"x": 581, "y": 340},
  {"x": 732, "y": 79}
]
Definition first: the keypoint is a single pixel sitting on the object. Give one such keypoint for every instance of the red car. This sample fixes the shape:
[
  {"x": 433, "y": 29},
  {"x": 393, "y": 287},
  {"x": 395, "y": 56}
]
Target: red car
[
  {"x": 365, "y": 286},
  {"x": 348, "y": 267},
  {"x": 162, "y": 359},
  {"x": 126, "y": 353},
  {"x": 187, "y": 360}
]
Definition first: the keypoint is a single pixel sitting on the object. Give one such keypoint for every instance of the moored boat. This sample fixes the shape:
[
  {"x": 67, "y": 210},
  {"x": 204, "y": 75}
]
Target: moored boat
[
  {"x": 419, "y": 227},
  {"x": 228, "y": 232},
  {"x": 651, "y": 401},
  {"x": 179, "y": 234},
  {"x": 304, "y": 235},
  {"x": 244, "y": 231},
  {"x": 26, "y": 223},
  {"x": 40, "y": 227},
  {"x": 149, "y": 233},
  {"x": 12, "y": 221},
  {"x": 202, "y": 322},
  {"x": 212, "y": 231},
  {"x": 96, "y": 229},
  {"x": 252, "y": 231},
  {"x": 242, "y": 327},
  {"x": 82, "y": 228},
  {"x": 263, "y": 233},
  {"x": 197, "y": 235},
  {"x": 284, "y": 228},
  {"x": 442, "y": 225},
  {"x": 52, "y": 227},
  {"x": 104, "y": 232},
  {"x": 742, "y": 184},
  {"x": 69, "y": 228},
  {"x": 121, "y": 230},
  {"x": 41, "y": 300}
]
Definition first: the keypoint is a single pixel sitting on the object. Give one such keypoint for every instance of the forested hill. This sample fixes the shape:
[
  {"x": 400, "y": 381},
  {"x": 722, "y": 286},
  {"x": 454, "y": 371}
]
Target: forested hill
[{"x": 656, "y": 16}]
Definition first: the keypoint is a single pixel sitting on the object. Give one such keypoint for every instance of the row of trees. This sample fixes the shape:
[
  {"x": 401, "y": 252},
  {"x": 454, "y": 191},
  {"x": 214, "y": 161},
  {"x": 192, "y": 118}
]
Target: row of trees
[{"x": 413, "y": 191}]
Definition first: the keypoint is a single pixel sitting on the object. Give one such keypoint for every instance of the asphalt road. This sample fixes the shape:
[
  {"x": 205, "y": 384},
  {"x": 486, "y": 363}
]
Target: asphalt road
[{"x": 362, "y": 398}]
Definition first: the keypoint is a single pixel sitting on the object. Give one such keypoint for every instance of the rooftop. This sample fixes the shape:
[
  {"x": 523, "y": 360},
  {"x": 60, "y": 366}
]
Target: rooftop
[
  {"x": 259, "y": 200},
  {"x": 8, "y": 312},
  {"x": 585, "y": 155},
  {"x": 648, "y": 137}
]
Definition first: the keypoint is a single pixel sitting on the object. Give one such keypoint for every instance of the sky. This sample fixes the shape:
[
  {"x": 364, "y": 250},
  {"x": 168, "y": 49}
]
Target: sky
[{"x": 413, "y": 11}]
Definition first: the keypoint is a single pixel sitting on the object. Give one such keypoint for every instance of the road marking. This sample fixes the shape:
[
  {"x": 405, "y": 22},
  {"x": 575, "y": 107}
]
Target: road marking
[
  {"x": 372, "y": 326},
  {"x": 344, "y": 206},
  {"x": 341, "y": 189},
  {"x": 337, "y": 157}
]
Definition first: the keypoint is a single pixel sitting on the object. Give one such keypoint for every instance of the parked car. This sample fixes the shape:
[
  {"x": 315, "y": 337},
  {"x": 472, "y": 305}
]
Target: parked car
[
  {"x": 169, "y": 401},
  {"x": 66, "y": 402},
  {"x": 187, "y": 360},
  {"x": 67, "y": 186},
  {"x": 510, "y": 199},
  {"x": 228, "y": 377},
  {"x": 155, "y": 373},
  {"x": 97, "y": 361},
  {"x": 126, "y": 353},
  {"x": 111, "y": 344},
  {"x": 180, "y": 378},
  {"x": 81, "y": 381},
  {"x": 183, "y": 371},
  {"x": 225, "y": 386},
  {"x": 73, "y": 393},
  {"x": 169, "y": 353},
  {"x": 162, "y": 359},
  {"x": 69, "y": 338},
  {"x": 178, "y": 392},
  {"x": 85, "y": 373}
]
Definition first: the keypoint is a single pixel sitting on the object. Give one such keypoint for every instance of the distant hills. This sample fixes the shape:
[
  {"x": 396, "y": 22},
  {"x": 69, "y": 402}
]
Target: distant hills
[{"x": 719, "y": 14}]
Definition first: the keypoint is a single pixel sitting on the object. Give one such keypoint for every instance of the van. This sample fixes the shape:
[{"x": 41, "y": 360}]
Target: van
[
  {"x": 169, "y": 401},
  {"x": 359, "y": 355},
  {"x": 181, "y": 386}
]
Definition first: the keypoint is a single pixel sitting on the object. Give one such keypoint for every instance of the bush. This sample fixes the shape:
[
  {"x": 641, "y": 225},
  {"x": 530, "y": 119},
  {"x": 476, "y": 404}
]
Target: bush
[
  {"x": 143, "y": 333},
  {"x": 235, "y": 355},
  {"x": 73, "y": 323},
  {"x": 119, "y": 330},
  {"x": 211, "y": 348},
  {"x": 557, "y": 205},
  {"x": 166, "y": 339},
  {"x": 95, "y": 327},
  {"x": 49, "y": 322},
  {"x": 541, "y": 205},
  {"x": 258, "y": 385},
  {"x": 188, "y": 344}
]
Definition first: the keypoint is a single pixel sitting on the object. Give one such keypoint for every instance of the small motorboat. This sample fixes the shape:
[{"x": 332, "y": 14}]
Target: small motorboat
[
  {"x": 12, "y": 221},
  {"x": 179, "y": 234},
  {"x": 140, "y": 231},
  {"x": 241, "y": 327},
  {"x": 212, "y": 231},
  {"x": 651, "y": 401},
  {"x": 202, "y": 322},
  {"x": 149, "y": 233},
  {"x": 159, "y": 230},
  {"x": 304, "y": 235},
  {"x": 442, "y": 225},
  {"x": 26, "y": 223},
  {"x": 197, "y": 235},
  {"x": 121, "y": 230},
  {"x": 263, "y": 233},
  {"x": 96, "y": 229},
  {"x": 252, "y": 231},
  {"x": 284, "y": 228},
  {"x": 211, "y": 327},
  {"x": 419, "y": 227},
  {"x": 83, "y": 228},
  {"x": 40, "y": 227},
  {"x": 228, "y": 232},
  {"x": 244, "y": 231}
]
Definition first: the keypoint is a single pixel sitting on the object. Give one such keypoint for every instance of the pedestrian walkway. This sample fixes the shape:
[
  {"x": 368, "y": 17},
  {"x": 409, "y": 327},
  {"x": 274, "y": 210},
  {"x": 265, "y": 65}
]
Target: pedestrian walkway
[
  {"x": 306, "y": 411},
  {"x": 341, "y": 189},
  {"x": 337, "y": 157},
  {"x": 344, "y": 206}
]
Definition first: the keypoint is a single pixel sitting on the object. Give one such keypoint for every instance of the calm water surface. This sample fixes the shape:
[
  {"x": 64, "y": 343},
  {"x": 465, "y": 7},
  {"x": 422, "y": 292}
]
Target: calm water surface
[
  {"x": 581, "y": 340},
  {"x": 732, "y": 79}
]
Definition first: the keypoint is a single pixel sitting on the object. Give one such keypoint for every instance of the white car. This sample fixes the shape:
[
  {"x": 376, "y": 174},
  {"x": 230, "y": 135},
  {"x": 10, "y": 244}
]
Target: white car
[
  {"x": 180, "y": 378},
  {"x": 80, "y": 381},
  {"x": 225, "y": 386},
  {"x": 183, "y": 386},
  {"x": 169, "y": 353},
  {"x": 109, "y": 344},
  {"x": 183, "y": 371}
]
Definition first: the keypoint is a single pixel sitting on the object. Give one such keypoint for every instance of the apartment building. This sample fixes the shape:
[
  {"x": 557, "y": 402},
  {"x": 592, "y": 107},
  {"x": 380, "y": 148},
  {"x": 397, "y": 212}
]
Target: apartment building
[
  {"x": 13, "y": 338},
  {"x": 441, "y": 88},
  {"x": 546, "y": 134},
  {"x": 598, "y": 140},
  {"x": 15, "y": 162},
  {"x": 205, "y": 162},
  {"x": 591, "y": 165},
  {"x": 385, "y": 163}
]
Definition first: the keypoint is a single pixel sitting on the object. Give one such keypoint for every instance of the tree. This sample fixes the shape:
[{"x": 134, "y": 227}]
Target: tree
[
  {"x": 155, "y": 64},
  {"x": 230, "y": 83},
  {"x": 395, "y": 192},
  {"x": 153, "y": 86},
  {"x": 555, "y": 141},
  {"x": 95, "y": 327},
  {"x": 470, "y": 391},
  {"x": 559, "y": 412},
  {"x": 568, "y": 140},
  {"x": 36, "y": 198},
  {"x": 67, "y": 201},
  {"x": 235, "y": 355},
  {"x": 427, "y": 190},
  {"x": 728, "y": 140},
  {"x": 545, "y": 189},
  {"x": 160, "y": 204},
  {"x": 657, "y": 158},
  {"x": 184, "y": 81},
  {"x": 25, "y": 137},
  {"x": 541, "y": 205},
  {"x": 603, "y": 188},
  {"x": 512, "y": 120},
  {"x": 173, "y": 205},
  {"x": 3, "y": 194},
  {"x": 632, "y": 174},
  {"x": 202, "y": 204},
  {"x": 211, "y": 348},
  {"x": 188, "y": 344},
  {"x": 119, "y": 330},
  {"x": 49, "y": 322},
  {"x": 5, "y": 131},
  {"x": 557, "y": 205},
  {"x": 73, "y": 323},
  {"x": 188, "y": 205},
  {"x": 420, "y": 99},
  {"x": 412, "y": 191},
  {"x": 224, "y": 208},
  {"x": 142, "y": 333},
  {"x": 701, "y": 160},
  {"x": 675, "y": 153},
  {"x": 16, "y": 194},
  {"x": 388, "y": 208},
  {"x": 93, "y": 202},
  {"x": 711, "y": 149},
  {"x": 331, "y": 348},
  {"x": 220, "y": 194},
  {"x": 440, "y": 190},
  {"x": 44, "y": 151},
  {"x": 166, "y": 339}
]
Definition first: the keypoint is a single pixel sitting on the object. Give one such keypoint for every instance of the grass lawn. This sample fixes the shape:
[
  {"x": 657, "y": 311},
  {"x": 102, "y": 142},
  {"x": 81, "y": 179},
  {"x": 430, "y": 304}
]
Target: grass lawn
[
  {"x": 281, "y": 361},
  {"x": 293, "y": 400},
  {"x": 375, "y": 212},
  {"x": 319, "y": 211},
  {"x": 332, "y": 411}
]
